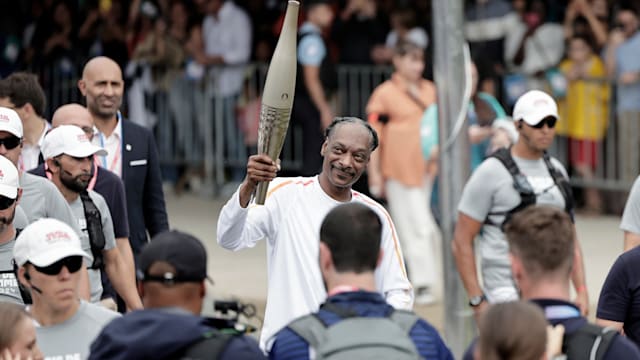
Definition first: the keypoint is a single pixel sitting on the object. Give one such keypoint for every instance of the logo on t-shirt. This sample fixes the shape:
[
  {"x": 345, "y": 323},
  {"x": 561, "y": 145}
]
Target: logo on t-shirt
[{"x": 9, "y": 286}]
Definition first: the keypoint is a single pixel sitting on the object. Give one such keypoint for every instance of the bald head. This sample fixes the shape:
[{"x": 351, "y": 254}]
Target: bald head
[
  {"x": 102, "y": 86},
  {"x": 74, "y": 114},
  {"x": 100, "y": 63}
]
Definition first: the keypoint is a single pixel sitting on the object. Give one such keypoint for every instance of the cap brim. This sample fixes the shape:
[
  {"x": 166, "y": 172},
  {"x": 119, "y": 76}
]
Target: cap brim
[
  {"x": 85, "y": 151},
  {"x": 8, "y": 191},
  {"x": 11, "y": 131},
  {"x": 534, "y": 119},
  {"x": 54, "y": 254}
]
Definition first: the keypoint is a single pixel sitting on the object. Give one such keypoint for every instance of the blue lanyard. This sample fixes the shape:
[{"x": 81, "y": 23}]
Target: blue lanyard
[{"x": 556, "y": 312}]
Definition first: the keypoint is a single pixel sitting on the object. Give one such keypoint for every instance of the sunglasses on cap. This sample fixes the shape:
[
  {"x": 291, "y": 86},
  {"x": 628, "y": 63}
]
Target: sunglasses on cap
[
  {"x": 6, "y": 202},
  {"x": 10, "y": 142},
  {"x": 550, "y": 121},
  {"x": 72, "y": 263}
]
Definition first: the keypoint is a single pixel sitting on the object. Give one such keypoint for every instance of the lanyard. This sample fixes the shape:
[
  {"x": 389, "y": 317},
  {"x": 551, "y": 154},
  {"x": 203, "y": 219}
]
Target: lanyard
[
  {"x": 116, "y": 156},
  {"x": 555, "y": 312},
  {"x": 342, "y": 288}
]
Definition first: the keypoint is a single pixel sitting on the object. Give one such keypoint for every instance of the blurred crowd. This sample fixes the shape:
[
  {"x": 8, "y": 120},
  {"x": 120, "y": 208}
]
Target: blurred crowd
[{"x": 581, "y": 51}]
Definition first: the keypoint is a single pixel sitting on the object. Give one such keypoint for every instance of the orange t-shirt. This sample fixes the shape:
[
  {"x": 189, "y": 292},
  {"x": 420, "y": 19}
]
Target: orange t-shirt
[{"x": 401, "y": 154}]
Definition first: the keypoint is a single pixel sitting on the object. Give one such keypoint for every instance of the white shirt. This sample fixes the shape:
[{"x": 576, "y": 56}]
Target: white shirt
[
  {"x": 31, "y": 153},
  {"x": 543, "y": 49},
  {"x": 113, "y": 145},
  {"x": 290, "y": 221},
  {"x": 228, "y": 35}
]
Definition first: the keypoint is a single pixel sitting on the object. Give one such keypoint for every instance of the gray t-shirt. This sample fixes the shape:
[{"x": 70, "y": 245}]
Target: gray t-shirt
[
  {"x": 41, "y": 199},
  {"x": 490, "y": 190},
  {"x": 631, "y": 216},
  {"x": 72, "y": 338},
  {"x": 9, "y": 290},
  {"x": 77, "y": 208}
]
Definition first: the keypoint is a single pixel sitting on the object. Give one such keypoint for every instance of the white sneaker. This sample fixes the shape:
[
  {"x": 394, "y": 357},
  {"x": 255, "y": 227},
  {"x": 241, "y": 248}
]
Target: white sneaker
[{"x": 423, "y": 296}]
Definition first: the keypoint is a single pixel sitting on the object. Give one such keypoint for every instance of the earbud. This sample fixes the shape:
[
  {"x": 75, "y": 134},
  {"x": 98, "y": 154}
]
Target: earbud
[
  {"x": 519, "y": 125},
  {"x": 56, "y": 162},
  {"x": 28, "y": 277}
]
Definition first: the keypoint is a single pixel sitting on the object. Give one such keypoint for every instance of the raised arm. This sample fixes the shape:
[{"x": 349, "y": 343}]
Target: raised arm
[{"x": 236, "y": 229}]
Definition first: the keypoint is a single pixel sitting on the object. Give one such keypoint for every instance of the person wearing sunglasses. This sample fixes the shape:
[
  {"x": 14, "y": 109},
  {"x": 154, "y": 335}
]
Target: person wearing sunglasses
[
  {"x": 22, "y": 92},
  {"x": 9, "y": 196},
  {"x": 49, "y": 256},
  {"x": 40, "y": 198},
  {"x": 105, "y": 183},
  {"x": 504, "y": 184},
  {"x": 69, "y": 155},
  {"x": 172, "y": 276}
]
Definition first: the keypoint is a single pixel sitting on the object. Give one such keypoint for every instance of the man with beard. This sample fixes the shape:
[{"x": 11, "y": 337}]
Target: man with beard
[
  {"x": 40, "y": 198},
  {"x": 290, "y": 222},
  {"x": 132, "y": 152},
  {"x": 9, "y": 196},
  {"x": 69, "y": 157},
  {"x": 105, "y": 183}
]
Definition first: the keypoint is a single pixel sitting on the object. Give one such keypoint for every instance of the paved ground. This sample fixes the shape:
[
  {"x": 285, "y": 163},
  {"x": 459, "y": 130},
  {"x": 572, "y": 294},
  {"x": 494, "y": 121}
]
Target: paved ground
[{"x": 242, "y": 275}]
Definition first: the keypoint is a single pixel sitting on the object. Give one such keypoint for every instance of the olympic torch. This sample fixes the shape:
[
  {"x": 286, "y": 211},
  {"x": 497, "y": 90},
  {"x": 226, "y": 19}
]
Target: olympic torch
[{"x": 277, "y": 97}]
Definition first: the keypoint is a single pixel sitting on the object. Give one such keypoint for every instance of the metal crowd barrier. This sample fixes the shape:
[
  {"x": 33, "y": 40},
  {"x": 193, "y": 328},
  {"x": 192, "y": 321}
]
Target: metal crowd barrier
[
  {"x": 608, "y": 160},
  {"x": 196, "y": 128}
]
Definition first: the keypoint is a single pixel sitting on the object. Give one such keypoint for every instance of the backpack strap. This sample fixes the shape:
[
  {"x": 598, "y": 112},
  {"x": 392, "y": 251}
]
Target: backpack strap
[
  {"x": 310, "y": 328},
  {"x": 588, "y": 342},
  {"x": 210, "y": 347},
  {"x": 520, "y": 183},
  {"x": 94, "y": 228},
  {"x": 405, "y": 319},
  {"x": 563, "y": 184}
]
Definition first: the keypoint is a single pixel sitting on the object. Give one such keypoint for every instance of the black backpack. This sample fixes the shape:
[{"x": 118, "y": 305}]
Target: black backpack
[
  {"x": 524, "y": 188},
  {"x": 588, "y": 342},
  {"x": 213, "y": 342},
  {"x": 94, "y": 229}
]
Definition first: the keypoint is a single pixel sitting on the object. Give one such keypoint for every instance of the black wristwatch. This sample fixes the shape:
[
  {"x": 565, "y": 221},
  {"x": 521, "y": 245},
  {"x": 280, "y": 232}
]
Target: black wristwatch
[{"x": 477, "y": 300}]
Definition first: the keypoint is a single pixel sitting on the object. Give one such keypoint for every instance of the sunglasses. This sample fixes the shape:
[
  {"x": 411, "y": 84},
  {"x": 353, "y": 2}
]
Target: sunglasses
[
  {"x": 550, "y": 121},
  {"x": 6, "y": 202},
  {"x": 10, "y": 142},
  {"x": 72, "y": 263}
]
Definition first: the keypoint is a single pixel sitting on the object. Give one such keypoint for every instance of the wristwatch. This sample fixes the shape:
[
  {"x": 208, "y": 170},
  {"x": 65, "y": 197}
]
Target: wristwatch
[{"x": 477, "y": 300}]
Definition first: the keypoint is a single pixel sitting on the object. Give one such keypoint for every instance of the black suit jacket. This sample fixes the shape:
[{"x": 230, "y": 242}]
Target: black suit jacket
[{"x": 142, "y": 184}]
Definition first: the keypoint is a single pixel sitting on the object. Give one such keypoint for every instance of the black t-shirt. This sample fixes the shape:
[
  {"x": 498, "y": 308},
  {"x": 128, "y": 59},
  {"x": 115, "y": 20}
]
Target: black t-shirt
[
  {"x": 620, "y": 294},
  {"x": 110, "y": 186}
]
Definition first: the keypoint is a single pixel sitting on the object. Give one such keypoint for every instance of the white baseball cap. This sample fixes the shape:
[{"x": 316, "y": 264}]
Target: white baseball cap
[
  {"x": 70, "y": 140},
  {"x": 534, "y": 106},
  {"x": 9, "y": 183},
  {"x": 46, "y": 241},
  {"x": 10, "y": 122}
]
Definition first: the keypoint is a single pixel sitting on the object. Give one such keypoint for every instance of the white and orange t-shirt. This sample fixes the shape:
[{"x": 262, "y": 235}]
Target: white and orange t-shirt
[{"x": 290, "y": 221}]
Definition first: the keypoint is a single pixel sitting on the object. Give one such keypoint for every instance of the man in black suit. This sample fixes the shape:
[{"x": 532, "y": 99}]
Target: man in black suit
[{"x": 132, "y": 150}]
